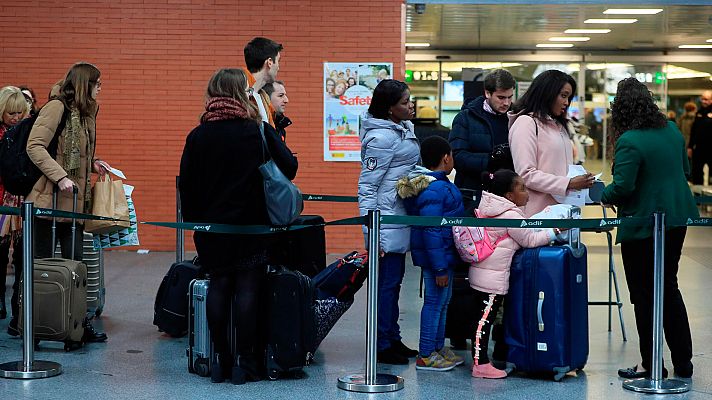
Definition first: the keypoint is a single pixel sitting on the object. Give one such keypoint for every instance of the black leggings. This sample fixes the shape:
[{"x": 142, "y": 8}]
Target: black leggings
[
  {"x": 246, "y": 287},
  {"x": 486, "y": 306}
]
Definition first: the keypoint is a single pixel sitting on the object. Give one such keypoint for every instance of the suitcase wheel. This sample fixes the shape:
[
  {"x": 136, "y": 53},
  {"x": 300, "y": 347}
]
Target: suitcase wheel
[
  {"x": 201, "y": 367},
  {"x": 69, "y": 346},
  {"x": 272, "y": 374}
]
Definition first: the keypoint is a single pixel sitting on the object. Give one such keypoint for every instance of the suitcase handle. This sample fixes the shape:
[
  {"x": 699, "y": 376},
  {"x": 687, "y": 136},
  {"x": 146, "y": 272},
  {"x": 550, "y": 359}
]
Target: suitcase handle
[{"x": 539, "y": 306}]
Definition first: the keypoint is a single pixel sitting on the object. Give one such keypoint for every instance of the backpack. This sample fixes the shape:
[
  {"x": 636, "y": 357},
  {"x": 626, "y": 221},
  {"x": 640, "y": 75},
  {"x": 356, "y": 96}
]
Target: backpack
[
  {"x": 19, "y": 174},
  {"x": 473, "y": 243}
]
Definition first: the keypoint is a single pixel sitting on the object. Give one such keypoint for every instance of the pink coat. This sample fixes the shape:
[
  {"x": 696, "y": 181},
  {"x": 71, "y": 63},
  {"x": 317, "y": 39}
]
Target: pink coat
[
  {"x": 542, "y": 159},
  {"x": 491, "y": 275}
]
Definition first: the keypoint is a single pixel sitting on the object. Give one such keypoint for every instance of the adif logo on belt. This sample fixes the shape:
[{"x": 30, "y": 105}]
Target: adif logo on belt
[{"x": 533, "y": 223}]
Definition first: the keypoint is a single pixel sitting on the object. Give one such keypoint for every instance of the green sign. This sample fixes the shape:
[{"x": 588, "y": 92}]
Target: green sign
[
  {"x": 409, "y": 75},
  {"x": 659, "y": 77}
]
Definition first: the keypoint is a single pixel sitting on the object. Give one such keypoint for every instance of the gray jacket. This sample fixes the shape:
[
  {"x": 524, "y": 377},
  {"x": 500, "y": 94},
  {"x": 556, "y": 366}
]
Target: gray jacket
[{"x": 389, "y": 151}]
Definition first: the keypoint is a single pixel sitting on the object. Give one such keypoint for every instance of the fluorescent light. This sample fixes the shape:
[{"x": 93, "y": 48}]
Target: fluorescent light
[
  {"x": 633, "y": 11},
  {"x": 675, "y": 72},
  {"x": 708, "y": 40},
  {"x": 610, "y": 21},
  {"x": 695, "y": 46},
  {"x": 555, "y": 45},
  {"x": 569, "y": 39},
  {"x": 417, "y": 45},
  {"x": 579, "y": 31}
]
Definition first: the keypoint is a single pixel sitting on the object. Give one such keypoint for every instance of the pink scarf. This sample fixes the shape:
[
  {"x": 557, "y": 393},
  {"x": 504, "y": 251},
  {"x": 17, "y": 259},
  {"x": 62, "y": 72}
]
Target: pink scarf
[{"x": 222, "y": 108}]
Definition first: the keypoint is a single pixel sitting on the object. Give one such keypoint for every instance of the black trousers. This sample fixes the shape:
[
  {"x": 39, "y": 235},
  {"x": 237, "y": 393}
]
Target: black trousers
[
  {"x": 486, "y": 307},
  {"x": 638, "y": 264},
  {"x": 44, "y": 248},
  {"x": 699, "y": 159}
]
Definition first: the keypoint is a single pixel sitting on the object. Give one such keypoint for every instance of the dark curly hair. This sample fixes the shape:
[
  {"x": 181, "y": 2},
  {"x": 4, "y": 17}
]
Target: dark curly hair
[{"x": 634, "y": 108}]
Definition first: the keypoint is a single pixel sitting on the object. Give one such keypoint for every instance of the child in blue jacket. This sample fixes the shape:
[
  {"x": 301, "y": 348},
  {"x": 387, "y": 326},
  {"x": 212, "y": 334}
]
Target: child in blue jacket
[{"x": 428, "y": 192}]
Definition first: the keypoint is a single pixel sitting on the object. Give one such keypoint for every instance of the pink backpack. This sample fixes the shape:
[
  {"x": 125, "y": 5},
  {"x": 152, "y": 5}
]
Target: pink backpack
[{"x": 473, "y": 243}]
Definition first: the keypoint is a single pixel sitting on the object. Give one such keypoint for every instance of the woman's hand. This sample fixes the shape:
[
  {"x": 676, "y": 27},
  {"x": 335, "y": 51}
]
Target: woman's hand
[
  {"x": 66, "y": 185},
  {"x": 581, "y": 182},
  {"x": 101, "y": 167},
  {"x": 442, "y": 281}
]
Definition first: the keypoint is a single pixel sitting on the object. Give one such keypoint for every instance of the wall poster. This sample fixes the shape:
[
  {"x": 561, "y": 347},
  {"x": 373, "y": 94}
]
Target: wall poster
[{"x": 348, "y": 88}]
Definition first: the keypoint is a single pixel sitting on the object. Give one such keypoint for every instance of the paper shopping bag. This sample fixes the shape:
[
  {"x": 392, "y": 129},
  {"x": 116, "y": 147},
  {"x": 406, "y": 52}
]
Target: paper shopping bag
[{"x": 108, "y": 200}]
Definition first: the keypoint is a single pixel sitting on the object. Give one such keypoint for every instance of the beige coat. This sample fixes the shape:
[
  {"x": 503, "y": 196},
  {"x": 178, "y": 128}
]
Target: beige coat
[{"x": 40, "y": 137}]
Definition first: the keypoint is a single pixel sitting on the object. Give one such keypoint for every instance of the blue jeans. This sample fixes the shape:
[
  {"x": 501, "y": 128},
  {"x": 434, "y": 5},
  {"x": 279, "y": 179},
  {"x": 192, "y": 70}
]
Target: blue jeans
[
  {"x": 434, "y": 313},
  {"x": 391, "y": 268}
]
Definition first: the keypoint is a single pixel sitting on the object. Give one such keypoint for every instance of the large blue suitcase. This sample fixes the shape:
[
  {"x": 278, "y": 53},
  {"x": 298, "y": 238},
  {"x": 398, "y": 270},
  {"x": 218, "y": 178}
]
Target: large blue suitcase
[{"x": 546, "y": 313}]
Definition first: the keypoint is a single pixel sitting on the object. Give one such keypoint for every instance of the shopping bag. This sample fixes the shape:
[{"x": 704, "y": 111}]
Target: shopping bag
[
  {"x": 108, "y": 200},
  {"x": 126, "y": 236}
]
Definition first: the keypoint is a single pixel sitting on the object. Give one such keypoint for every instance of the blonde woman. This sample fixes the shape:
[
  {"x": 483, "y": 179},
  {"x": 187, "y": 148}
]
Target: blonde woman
[{"x": 13, "y": 109}]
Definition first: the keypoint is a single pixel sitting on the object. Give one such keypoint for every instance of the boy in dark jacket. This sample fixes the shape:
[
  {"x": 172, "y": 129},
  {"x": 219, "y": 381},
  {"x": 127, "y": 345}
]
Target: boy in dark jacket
[{"x": 428, "y": 192}]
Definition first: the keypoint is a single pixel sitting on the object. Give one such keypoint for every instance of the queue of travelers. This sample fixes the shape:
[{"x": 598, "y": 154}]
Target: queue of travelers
[{"x": 511, "y": 158}]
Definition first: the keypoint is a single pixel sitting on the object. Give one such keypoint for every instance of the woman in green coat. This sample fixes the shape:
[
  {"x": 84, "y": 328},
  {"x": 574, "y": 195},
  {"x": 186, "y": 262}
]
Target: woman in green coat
[{"x": 649, "y": 174}]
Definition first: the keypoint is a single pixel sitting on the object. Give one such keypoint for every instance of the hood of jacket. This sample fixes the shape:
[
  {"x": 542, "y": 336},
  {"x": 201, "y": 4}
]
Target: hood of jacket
[
  {"x": 492, "y": 205},
  {"x": 369, "y": 123},
  {"x": 416, "y": 181}
]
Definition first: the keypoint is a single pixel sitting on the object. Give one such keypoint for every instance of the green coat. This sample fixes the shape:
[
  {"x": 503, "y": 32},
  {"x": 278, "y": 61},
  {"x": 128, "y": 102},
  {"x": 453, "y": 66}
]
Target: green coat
[{"x": 650, "y": 175}]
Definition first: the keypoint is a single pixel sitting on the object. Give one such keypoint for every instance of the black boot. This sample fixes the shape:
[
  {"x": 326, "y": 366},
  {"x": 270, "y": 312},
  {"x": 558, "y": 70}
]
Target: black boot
[
  {"x": 246, "y": 369},
  {"x": 91, "y": 335},
  {"x": 220, "y": 367}
]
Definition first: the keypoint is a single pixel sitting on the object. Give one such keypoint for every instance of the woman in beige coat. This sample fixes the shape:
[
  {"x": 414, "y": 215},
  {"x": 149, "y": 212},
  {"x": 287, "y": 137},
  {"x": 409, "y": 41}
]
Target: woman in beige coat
[{"x": 72, "y": 164}]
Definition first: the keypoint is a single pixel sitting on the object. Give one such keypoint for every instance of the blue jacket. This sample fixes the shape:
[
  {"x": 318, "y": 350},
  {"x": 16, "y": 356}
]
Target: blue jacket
[
  {"x": 389, "y": 151},
  {"x": 430, "y": 193},
  {"x": 472, "y": 139}
]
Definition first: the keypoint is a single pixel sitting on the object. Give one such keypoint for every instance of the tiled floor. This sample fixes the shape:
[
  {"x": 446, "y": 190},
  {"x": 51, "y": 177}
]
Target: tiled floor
[{"x": 140, "y": 363}]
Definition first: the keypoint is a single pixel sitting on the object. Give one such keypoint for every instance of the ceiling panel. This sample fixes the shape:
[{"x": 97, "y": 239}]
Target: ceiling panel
[{"x": 521, "y": 27}]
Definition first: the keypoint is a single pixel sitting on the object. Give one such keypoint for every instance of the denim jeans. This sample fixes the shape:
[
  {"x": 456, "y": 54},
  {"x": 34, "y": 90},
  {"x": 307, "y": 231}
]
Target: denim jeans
[
  {"x": 434, "y": 313},
  {"x": 391, "y": 268}
]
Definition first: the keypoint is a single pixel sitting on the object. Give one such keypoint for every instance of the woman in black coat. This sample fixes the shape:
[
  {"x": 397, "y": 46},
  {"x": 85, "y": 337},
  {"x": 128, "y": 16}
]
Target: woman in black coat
[{"x": 220, "y": 183}]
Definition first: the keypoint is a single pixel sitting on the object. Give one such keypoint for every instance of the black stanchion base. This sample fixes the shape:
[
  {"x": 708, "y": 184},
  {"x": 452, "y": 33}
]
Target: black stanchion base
[
  {"x": 384, "y": 383},
  {"x": 39, "y": 369},
  {"x": 662, "y": 386}
]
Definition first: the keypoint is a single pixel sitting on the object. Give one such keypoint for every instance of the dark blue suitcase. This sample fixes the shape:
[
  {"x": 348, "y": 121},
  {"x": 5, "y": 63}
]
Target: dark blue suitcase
[
  {"x": 546, "y": 318},
  {"x": 342, "y": 278}
]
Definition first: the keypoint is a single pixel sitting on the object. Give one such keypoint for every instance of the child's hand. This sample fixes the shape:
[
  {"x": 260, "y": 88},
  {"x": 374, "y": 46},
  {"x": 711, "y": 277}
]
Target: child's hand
[{"x": 442, "y": 281}]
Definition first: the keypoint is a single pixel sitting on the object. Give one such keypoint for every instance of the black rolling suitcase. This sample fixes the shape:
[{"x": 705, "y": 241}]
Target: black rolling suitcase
[
  {"x": 303, "y": 250},
  {"x": 170, "y": 310},
  {"x": 289, "y": 322}
]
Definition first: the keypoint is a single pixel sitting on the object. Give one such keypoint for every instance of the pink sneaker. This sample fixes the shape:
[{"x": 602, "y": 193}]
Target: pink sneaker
[{"x": 487, "y": 371}]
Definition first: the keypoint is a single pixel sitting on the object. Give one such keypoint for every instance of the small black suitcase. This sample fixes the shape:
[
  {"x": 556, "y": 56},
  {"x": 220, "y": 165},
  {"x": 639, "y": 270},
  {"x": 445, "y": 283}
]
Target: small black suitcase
[
  {"x": 289, "y": 322},
  {"x": 170, "y": 310},
  {"x": 303, "y": 250}
]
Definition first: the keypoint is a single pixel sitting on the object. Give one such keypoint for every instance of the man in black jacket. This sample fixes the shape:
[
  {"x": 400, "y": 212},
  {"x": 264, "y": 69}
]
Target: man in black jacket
[
  {"x": 479, "y": 136},
  {"x": 278, "y": 96},
  {"x": 700, "y": 146}
]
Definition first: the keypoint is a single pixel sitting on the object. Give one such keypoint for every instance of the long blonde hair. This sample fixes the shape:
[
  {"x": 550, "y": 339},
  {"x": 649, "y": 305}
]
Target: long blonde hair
[
  {"x": 232, "y": 82},
  {"x": 77, "y": 87},
  {"x": 12, "y": 100}
]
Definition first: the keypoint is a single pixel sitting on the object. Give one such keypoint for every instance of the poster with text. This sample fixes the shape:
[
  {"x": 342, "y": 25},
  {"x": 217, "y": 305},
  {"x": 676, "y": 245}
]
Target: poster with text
[{"x": 348, "y": 88}]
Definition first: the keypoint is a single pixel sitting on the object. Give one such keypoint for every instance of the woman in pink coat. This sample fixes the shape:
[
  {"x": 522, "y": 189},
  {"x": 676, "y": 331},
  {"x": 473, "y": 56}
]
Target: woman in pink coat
[
  {"x": 504, "y": 194},
  {"x": 540, "y": 144}
]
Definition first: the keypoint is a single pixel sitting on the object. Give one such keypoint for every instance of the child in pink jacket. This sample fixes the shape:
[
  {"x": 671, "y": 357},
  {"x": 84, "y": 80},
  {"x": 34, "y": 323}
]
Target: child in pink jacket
[{"x": 503, "y": 196}]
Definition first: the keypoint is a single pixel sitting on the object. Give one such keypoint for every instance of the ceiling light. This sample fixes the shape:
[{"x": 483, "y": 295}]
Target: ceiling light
[
  {"x": 634, "y": 11},
  {"x": 579, "y": 31},
  {"x": 610, "y": 21},
  {"x": 569, "y": 39},
  {"x": 417, "y": 45},
  {"x": 675, "y": 72},
  {"x": 708, "y": 40},
  {"x": 598, "y": 66},
  {"x": 695, "y": 46},
  {"x": 555, "y": 45}
]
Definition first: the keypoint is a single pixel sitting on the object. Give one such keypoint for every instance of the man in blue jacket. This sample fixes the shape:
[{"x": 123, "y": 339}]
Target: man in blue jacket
[{"x": 479, "y": 136}]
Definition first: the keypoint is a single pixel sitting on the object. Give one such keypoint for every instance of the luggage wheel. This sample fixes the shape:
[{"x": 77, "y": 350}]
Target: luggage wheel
[
  {"x": 272, "y": 374},
  {"x": 201, "y": 367},
  {"x": 69, "y": 346}
]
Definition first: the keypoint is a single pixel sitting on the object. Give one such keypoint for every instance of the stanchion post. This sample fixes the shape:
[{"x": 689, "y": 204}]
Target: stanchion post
[
  {"x": 371, "y": 381},
  {"x": 180, "y": 235},
  {"x": 28, "y": 368},
  {"x": 656, "y": 383}
]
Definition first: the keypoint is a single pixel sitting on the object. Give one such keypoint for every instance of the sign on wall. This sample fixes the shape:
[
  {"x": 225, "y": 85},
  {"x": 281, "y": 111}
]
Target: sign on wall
[{"x": 348, "y": 88}]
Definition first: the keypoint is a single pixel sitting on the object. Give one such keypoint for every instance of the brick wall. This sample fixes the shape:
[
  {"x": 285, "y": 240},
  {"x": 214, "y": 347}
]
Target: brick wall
[{"x": 156, "y": 58}]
